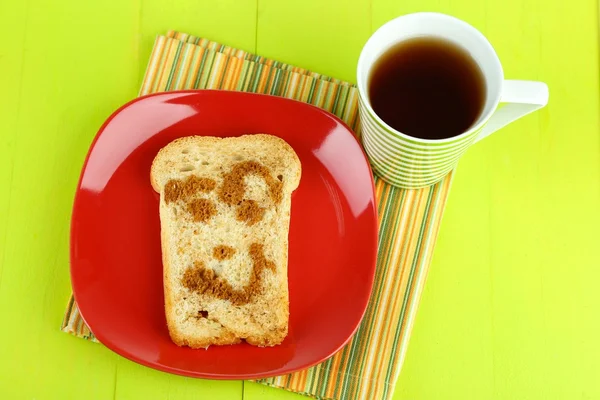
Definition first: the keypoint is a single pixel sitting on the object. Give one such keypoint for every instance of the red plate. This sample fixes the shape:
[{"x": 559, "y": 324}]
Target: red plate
[{"x": 116, "y": 267}]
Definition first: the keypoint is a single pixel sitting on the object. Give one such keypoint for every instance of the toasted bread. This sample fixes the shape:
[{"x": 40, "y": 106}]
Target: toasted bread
[{"x": 225, "y": 208}]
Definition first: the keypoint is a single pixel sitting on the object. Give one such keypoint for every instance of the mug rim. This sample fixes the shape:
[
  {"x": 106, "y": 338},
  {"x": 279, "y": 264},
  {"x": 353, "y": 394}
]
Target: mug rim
[{"x": 361, "y": 84}]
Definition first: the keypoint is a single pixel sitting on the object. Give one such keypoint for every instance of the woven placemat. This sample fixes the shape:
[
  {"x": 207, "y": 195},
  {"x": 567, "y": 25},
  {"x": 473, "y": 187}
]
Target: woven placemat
[{"x": 368, "y": 366}]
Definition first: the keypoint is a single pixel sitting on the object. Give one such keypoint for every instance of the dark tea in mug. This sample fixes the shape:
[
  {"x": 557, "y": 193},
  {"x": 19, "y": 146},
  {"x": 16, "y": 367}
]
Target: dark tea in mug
[{"x": 428, "y": 88}]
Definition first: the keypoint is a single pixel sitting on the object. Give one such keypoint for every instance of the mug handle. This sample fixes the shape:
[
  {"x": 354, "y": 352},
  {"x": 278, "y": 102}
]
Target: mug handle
[{"x": 522, "y": 97}]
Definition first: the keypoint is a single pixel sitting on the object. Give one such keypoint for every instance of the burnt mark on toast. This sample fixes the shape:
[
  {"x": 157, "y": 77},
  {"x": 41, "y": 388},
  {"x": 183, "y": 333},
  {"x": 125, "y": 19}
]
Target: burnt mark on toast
[
  {"x": 200, "y": 279},
  {"x": 204, "y": 281},
  {"x": 223, "y": 252},
  {"x": 231, "y": 192},
  {"x": 201, "y": 209},
  {"x": 233, "y": 189},
  {"x": 250, "y": 212},
  {"x": 183, "y": 189}
]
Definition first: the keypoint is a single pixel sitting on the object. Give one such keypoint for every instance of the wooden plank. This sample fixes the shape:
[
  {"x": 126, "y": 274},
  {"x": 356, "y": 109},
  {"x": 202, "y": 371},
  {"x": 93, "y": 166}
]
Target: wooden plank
[
  {"x": 510, "y": 298},
  {"x": 64, "y": 67},
  {"x": 69, "y": 73},
  {"x": 136, "y": 382},
  {"x": 508, "y": 310},
  {"x": 230, "y": 22},
  {"x": 325, "y": 37},
  {"x": 322, "y": 36}
]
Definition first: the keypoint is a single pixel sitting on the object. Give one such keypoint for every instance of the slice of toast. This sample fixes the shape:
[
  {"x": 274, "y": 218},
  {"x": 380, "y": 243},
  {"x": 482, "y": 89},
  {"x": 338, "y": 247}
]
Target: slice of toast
[{"x": 225, "y": 214}]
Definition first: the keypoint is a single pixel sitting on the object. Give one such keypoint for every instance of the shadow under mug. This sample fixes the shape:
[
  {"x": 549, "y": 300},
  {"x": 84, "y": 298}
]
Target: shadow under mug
[{"x": 411, "y": 162}]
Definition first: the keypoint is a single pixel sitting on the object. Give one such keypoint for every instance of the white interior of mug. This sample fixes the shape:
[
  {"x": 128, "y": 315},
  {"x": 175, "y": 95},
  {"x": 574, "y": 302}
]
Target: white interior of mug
[{"x": 437, "y": 25}]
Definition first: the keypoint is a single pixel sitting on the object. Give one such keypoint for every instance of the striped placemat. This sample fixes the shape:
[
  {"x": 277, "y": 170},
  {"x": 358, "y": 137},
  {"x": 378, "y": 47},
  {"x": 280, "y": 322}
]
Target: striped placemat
[{"x": 368, "y": 366}]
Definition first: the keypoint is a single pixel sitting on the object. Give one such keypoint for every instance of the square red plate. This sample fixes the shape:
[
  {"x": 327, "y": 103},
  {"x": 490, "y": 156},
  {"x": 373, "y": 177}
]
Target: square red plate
[{"x": 116, "y": 266}]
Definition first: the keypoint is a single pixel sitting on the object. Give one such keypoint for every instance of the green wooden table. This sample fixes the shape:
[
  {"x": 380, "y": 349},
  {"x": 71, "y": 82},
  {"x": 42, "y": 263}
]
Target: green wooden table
[{"x": 511, "y": 309}]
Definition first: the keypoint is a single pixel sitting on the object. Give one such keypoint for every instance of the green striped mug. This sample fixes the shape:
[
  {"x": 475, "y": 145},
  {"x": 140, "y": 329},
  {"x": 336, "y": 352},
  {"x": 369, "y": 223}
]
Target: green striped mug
[{"x": 411, "y": 162}]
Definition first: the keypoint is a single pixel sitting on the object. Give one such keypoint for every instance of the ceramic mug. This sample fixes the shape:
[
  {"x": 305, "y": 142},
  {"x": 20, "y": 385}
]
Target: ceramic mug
[{"x": 411, "y": 162}]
